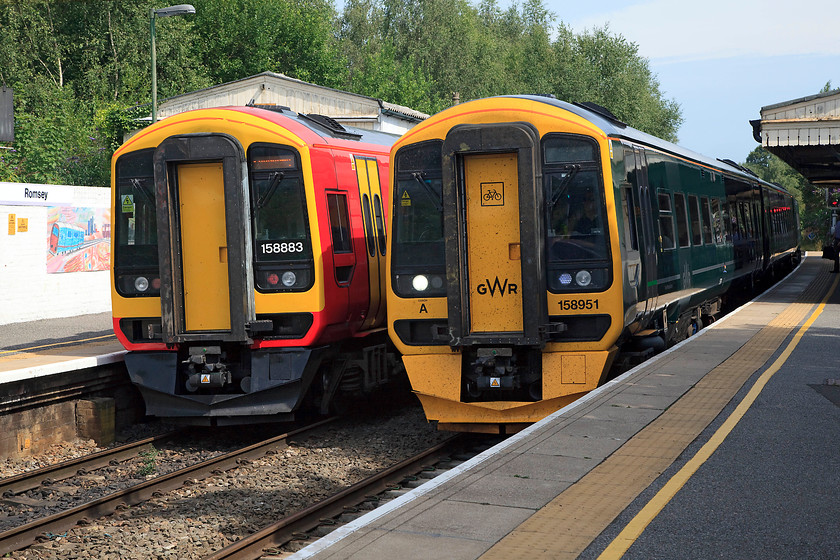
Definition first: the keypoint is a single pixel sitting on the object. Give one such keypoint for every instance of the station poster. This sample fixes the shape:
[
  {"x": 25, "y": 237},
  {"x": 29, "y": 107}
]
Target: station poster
[{"x": 78, "y": 239}]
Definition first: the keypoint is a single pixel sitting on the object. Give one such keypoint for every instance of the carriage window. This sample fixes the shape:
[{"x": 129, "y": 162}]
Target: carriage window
[
  {"x": 717, "y": 220},
  {"x": 371, "y": 242},
  {"x": 682, "y": 219},
  {"x": 380, "y": 223},
  {"x": 705, "y": 213},
  {"x": 339, "y": 223},
  {"x": 694, "y": 213},
  {"x": 666, "y": 221},
  {"x": 627, "y": 206}
]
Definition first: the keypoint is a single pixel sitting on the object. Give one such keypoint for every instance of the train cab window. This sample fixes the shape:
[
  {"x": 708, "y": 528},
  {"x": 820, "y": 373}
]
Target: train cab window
[
  {"x": 136, "y": 240},
  {"x": 575, "y": 213},
  {"x": 282, "y": 244},
  {"x": 339, "y": 223},
  {"x": 682, "y": 220},
  {"x": 705, "y": 213},
  {"x": 694, "y": 214},
  {"x": 666, "y": 221},
  {"x": 417, "y": 235}
]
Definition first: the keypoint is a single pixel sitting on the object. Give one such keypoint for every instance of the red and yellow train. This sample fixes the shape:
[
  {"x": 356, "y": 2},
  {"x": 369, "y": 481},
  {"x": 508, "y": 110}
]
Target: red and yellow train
[{"x": 249, "y": 262}]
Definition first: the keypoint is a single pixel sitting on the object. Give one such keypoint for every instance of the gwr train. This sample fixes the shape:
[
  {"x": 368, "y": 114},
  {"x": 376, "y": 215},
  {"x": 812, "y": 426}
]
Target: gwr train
[
  {"x": 533, "y": 241},
  {"x": 248, "y": 262}
]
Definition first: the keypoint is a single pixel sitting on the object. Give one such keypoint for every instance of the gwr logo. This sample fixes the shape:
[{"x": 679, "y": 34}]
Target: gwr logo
[{"x": 497, "y": 286}]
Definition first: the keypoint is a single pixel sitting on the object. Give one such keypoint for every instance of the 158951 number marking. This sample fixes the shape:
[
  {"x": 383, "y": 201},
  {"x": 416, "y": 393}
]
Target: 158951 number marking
[{"x": 578, "y": 304}]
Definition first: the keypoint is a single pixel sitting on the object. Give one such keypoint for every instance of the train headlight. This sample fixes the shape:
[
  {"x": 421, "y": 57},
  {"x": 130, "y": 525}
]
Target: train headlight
[
  {"x": 565, "y": 279},
  {"x": 141, "y": 283},
  {"x": 289, "y": 278},
  {"x": 583, "y": 278},
  {"x": 420, "y": 283}
]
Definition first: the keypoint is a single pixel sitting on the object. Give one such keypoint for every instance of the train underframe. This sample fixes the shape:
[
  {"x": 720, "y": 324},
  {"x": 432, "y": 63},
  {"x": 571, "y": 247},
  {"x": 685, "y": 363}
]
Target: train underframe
[{"x": 226, "y": 384}]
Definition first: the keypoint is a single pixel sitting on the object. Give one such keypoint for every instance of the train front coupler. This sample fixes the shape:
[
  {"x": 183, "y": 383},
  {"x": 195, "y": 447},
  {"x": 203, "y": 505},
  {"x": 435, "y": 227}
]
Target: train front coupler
[{"x": 205, "y": 369}]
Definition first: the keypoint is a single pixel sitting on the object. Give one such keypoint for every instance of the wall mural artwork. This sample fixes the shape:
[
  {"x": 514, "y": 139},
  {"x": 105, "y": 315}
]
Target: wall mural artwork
[{"x": 78, "y": 239}]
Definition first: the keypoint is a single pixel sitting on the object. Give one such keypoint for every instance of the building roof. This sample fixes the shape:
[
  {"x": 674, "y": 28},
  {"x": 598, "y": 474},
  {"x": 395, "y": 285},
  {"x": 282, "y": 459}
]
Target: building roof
[
  {"x": 805, "y": 133},
  {"x": 300, "y": 96}
]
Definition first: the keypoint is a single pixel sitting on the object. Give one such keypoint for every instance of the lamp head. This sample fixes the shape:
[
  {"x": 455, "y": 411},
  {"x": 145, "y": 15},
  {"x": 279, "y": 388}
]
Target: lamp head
[{"x": 179, "y": 10}]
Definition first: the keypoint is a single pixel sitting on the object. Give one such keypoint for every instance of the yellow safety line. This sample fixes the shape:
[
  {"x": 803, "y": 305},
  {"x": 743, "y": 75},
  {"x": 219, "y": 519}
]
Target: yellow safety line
[
  {"x": 638, "y": 524},
  {"x": 56, "y": 344}
]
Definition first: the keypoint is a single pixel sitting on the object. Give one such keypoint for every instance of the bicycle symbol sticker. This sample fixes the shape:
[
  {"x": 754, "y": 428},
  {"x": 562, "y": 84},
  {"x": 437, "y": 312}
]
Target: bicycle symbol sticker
[{"x": 492, "y": 194}]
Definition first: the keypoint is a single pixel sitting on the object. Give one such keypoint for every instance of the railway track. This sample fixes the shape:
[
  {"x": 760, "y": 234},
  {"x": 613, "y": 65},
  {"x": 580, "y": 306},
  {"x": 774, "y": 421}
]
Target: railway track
[
  {"x": 296, "y": 531},
  {"x": 46, "y": 476},
  {"x": 325, "y": 513},
  {"x": 28, "y": 533}
]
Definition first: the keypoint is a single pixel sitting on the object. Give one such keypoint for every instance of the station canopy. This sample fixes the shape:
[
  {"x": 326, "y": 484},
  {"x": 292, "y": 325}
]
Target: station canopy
[{"x": 805, "y": 134}]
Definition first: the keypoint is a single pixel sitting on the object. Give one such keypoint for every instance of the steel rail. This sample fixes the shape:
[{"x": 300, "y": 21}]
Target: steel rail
[
  {"x": 281, "y": 532},
  {"x": 25, "y": 535},
  {"x": 81, "y": 465}
]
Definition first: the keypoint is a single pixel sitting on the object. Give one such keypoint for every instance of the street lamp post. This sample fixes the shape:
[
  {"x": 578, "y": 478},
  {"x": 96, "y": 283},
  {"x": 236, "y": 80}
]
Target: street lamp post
[{"x": 179, "y": 10}]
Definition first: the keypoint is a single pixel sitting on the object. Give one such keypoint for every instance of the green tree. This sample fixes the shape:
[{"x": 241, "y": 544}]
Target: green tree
[
  {"x": 240, "y": 38},
  {"x": 814, "y": 217},
  {"x": 607, "y": 69}
]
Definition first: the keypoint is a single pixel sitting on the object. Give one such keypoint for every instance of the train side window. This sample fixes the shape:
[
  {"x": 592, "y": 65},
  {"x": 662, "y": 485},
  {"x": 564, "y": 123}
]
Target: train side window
[
  {"x": 371, "y": 242},
  {"x": 717, "y": 221},
  {"x": 682, "y": 219},
  {"x": 694, "y": 213},
  {"x": 706, "y": 213},
  {"x": 666, "y": 221},
  {"x": 339, "y": 223},
  {"x": 380, "y": 223},
  {"x": 627, "y": 205}
]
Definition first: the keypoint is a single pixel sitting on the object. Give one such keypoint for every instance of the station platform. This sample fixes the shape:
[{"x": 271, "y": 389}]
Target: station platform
[
  {"x": 725, "y": 446},
  {"x": 53, "y": 346}
]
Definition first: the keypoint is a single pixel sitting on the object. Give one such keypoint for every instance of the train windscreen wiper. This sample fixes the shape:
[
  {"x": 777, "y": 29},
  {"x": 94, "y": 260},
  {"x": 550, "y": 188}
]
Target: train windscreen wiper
[
  {"x": 435, "y": 196},
  {"x": 558, "y": 190},
  {"x": 275, "y": 181},
  {"x": 139, "y": 185}
]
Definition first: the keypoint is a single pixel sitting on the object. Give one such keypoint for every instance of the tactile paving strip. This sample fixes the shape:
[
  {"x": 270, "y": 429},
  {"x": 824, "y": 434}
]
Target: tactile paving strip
[{"x": 569, "y": 523}]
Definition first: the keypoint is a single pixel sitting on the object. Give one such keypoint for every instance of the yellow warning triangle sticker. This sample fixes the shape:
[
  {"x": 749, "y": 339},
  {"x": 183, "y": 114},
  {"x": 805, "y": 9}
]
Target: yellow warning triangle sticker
[
  {"x": 494, "y": 382},
  {"x": 205, "y": 378}
]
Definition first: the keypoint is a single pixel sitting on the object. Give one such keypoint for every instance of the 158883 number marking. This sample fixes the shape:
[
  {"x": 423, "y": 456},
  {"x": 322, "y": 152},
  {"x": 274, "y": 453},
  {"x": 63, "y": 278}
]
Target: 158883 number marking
[
  {"x": 290, "y": 247},
  {"x": 578, "y": 304}
]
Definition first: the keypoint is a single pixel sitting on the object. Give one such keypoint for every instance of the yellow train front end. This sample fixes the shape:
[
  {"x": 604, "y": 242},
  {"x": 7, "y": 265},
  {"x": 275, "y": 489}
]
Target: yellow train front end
[{"x": 505, "y": 294}]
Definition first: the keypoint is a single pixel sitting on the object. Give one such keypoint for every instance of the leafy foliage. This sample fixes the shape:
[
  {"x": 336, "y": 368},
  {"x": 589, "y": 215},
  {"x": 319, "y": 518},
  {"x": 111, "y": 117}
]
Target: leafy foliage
[
  {"x": 81, "y": 69},
  {"x": 814, "y": 216}
]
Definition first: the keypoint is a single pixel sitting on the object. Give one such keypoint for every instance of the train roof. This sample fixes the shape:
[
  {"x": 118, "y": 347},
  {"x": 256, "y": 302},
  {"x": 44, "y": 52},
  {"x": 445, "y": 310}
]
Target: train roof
[
  {"x": 614, "y": 128},
  {"x": 327, "y": 127}
]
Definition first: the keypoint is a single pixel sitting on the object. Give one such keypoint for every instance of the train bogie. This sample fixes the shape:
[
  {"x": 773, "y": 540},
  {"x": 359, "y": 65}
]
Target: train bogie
[
  {"x": 534, "y": 242},
  {"x": 242, "y": 267}
]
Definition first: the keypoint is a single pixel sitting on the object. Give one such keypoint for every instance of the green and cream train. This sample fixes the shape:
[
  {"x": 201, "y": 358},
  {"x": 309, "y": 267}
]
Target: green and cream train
[{"x": 533, "y": 241}]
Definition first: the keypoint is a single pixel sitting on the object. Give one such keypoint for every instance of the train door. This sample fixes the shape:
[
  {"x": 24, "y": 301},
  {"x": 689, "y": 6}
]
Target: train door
[
  {"x": 370, "y": 194},
  {"x": 204, "y": 242},
  {"x": 647, "y": 286},
  {"x": 494, "y": 232},
  {"x": 203, "y": 246},
  {"x": 493, "y": 243}
]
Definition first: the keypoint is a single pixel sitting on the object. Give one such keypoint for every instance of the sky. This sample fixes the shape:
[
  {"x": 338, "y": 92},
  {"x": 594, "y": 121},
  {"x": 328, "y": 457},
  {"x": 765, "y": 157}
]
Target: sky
[{"x": 721, "y": 60}]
